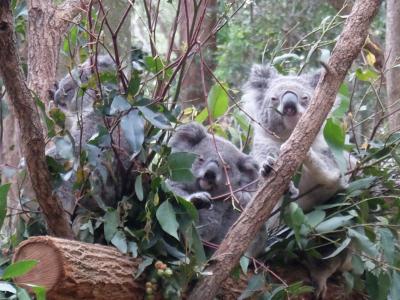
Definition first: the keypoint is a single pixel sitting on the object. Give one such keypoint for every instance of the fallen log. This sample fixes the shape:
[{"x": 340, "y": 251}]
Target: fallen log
[{"x": 75, "y": 270}]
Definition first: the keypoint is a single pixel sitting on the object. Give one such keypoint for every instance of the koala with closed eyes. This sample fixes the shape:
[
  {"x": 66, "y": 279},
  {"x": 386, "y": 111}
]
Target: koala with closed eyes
[
  {"x": 209, "y": 191},
  {"x": 276, "y": 103}
]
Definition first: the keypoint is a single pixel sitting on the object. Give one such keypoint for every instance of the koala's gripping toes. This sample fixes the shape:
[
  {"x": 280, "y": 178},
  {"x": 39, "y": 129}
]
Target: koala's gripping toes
[{"x": 209, "y": 190}]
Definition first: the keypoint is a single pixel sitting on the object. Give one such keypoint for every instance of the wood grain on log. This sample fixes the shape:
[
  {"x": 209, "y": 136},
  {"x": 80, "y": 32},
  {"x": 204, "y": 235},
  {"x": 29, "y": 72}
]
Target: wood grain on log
[
  {"x": 75, "y": 270},
  {"x": 292, "y": 152}
]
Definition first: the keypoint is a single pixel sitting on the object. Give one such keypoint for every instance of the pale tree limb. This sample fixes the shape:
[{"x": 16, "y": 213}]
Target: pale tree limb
[
  {"x": 371, "y": 44},
  {"x": 33, "y": 144},
  {"x": 46, "y": 25},
  {"x": 393, "y": 58},
  {"x": 292, "y": 152}
]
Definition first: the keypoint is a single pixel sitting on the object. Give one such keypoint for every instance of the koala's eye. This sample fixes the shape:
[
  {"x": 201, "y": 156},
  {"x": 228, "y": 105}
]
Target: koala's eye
[
  {"x": 200, "y": 160},
  {"x": 305, "y": 99},
  {"x": 274, "y": 99}
]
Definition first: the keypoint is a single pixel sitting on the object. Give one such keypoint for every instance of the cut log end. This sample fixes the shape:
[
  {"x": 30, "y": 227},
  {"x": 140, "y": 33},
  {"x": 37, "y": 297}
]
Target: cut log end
[
  {"x": 75, "y": 270},
  {"x": 48, "y": 271}
]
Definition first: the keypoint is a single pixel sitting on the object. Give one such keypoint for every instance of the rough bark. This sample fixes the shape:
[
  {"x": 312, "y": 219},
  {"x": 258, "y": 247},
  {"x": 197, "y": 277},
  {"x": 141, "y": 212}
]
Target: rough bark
[
  {"x": 292, "y": 152},
  {"x": 33, "y": 144},
  {"x": 393, "y": 58},
  {"x": 76, "y": 270},
  {"x": 373, "y": 46},
  {"x": 192, "y": 90},
  {"x": 46, "y": 25}
]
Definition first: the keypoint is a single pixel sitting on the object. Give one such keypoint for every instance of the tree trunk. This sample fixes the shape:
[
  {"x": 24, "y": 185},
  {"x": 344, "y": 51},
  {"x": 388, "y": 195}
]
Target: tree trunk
[
  {"x": 46, "y": 24},
  {"x": 33, "y": 144},
  {"x": 76, "y": 270},
  {"x": 393, "y": 58},
  {"x": 192, "y": 90},
  {"x": 292, "y": 152}
]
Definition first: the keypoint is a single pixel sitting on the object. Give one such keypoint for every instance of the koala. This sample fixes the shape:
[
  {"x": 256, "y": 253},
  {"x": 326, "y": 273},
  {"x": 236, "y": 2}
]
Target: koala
[
  {"x": 209, "y": 191},
  {"x": 81, "y": 108},
  {"x": 276, "y": 103},
  {"x": 107, "y": 175}
]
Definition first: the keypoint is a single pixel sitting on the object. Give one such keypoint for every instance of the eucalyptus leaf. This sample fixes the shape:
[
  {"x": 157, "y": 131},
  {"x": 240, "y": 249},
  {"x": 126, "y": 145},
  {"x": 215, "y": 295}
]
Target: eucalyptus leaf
[
  {"x": 315, "y": 217},
  {"x": 244, "y": 264},
  {"x": 111, "y": 222},
  {"x": 180, "y": 166},
  {"x": 333, "y": 223},
  {"x": 19, "y": 268},
  {"x": 256, "y": 283},
  {"x": 132, "y": 126},
  {"x": 3, "y": 202},
  {"x": 119, "y": 104},
  {"x": 40, "y": 291},
  {"x": 119, "y": 241},
  {"x": 139, "y": 188},
  {"x": 134, "y": 83},
  {"x": 202, "y": 116},
  {"x": 7, "y": 287},
  {"x": 147, "y": 261},
  {"x": 22, "y": 294},
  {"x": 334, "y": 135},
  {"x": 155, "y": 118},
  {"x": 366, "y": 245},
  {"x": 387, "y": 244},
  {"x": 395, "y": 288},
  {"x": 167, "y": 218},
  {"x": 218, "y": 100}
]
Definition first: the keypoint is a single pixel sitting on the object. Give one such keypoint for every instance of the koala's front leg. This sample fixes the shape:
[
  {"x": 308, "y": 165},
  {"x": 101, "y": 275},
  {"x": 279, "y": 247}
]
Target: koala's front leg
[
  {"x": 323, "y": 167},
  {"x": 266, "y": 153},
  {"x": 199, "y": 199}
]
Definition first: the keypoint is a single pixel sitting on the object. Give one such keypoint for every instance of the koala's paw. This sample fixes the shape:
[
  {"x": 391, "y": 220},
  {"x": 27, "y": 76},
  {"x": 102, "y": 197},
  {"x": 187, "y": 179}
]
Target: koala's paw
[
  {"x": 293, "y": 190},
  {"x": 267, "y": 166},
  {"x": 201, "y": 200}
]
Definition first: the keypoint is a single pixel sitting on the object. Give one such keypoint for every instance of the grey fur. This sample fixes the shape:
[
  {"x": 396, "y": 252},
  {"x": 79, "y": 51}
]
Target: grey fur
[
  {"x": 81, "y": 108},
  {"x": 104, "y": 176},
  {"x": 276, "y": 102},
  {"x": 215, "y": 215},
  {"x": 277, "y": 105}
]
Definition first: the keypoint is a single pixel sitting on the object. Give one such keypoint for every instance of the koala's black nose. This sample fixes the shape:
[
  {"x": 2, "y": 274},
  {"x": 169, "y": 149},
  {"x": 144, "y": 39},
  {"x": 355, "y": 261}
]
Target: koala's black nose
[
  {"x": 210, "y": 176},
  {"x": 289, "y": 104}
]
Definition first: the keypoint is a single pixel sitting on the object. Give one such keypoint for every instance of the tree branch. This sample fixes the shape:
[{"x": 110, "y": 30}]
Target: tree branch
[
  {"x": 371, "y": 44},
  {"x": 292, "y": 153},
  {"x": 31, "y": 130}
]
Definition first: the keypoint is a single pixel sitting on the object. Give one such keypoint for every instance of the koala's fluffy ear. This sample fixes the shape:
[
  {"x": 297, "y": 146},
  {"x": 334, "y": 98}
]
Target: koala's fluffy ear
[
  {"x": 313, "y": 77},
  {"x": 260, "y": 75},
  {"x": 187, "y": 135}
]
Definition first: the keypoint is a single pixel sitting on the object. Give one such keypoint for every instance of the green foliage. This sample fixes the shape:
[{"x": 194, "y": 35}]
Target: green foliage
[
  {"x": 145, "y": 219},
  {"x": 3, "y": 202},
  {"x": 18, "y": 268}
]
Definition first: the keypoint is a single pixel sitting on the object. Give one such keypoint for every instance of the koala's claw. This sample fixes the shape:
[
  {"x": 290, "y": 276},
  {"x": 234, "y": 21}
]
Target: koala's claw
[
  {"x": 293, "y": 190},
  {"x": 201, "y": 200},
  {"x": 267, "y": 166}
]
